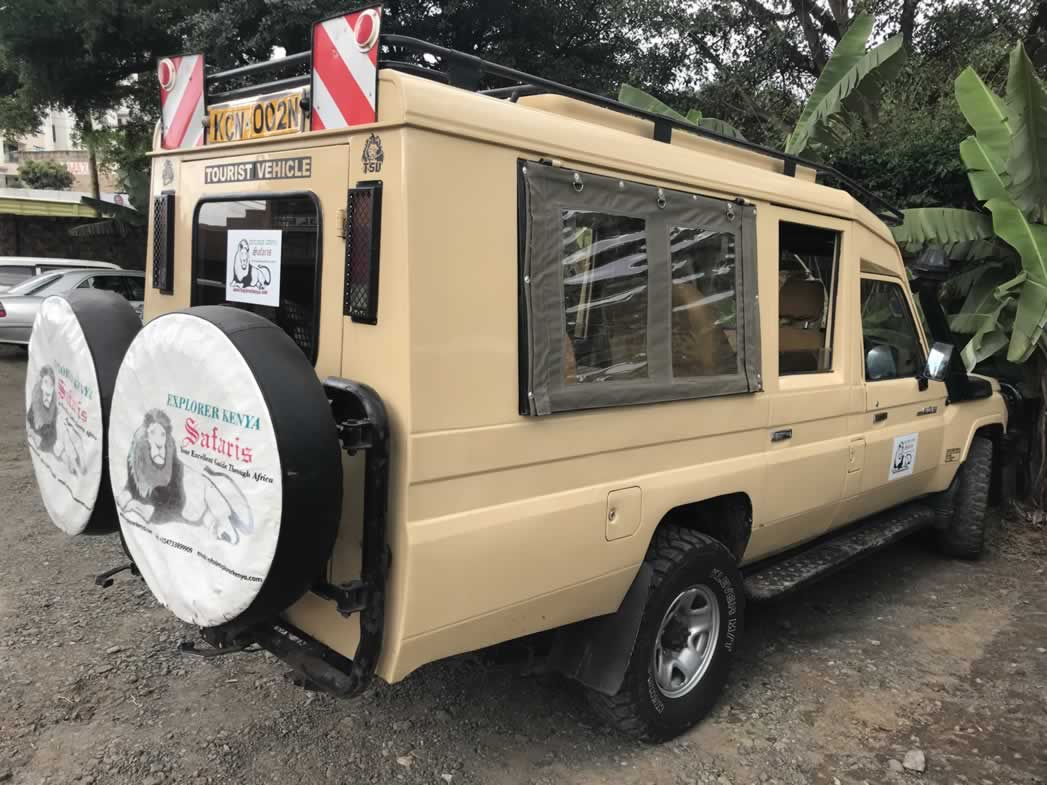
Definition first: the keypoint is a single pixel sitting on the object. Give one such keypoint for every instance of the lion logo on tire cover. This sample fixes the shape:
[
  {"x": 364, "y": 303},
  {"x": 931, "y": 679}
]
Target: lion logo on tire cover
[
  {"x": 162, "y": 489},
  {"x": 51, "y": 437}
]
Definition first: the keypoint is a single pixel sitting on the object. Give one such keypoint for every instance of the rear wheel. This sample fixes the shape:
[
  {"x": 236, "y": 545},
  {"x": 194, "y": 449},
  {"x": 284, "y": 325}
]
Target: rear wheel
[
  {"x": 963, "y": 504},
  {"x": 689, "y": 631}
]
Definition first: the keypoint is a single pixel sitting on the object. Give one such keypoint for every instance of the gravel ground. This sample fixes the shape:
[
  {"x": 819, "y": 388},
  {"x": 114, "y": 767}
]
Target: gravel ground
[{"x": 904, "y": 654}]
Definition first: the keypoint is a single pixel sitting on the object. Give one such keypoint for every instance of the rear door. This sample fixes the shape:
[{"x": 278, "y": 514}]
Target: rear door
[{"x": 903, "y": 423}]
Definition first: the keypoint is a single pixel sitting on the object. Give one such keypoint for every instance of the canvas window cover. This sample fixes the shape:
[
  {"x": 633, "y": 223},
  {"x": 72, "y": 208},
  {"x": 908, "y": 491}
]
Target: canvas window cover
[{"x": 633, "y": 293}]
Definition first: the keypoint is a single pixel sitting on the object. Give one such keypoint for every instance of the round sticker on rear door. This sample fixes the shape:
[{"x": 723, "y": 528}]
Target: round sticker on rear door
[
  {"x": 63, "y": 416},
  {"x": 195, "y": 469}
]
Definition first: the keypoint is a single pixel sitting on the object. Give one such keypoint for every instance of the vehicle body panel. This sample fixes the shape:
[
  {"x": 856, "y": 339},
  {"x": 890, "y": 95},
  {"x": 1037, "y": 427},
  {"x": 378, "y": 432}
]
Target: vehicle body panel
[{"x": 497, "y": 521}]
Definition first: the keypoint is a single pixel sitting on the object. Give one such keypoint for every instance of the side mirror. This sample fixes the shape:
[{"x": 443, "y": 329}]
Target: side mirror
[
  {"x": 880, "y": 364},
  {"x": 938, "y": 361}
]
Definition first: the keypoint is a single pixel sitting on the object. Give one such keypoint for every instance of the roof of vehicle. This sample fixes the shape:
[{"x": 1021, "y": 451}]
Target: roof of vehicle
[
  {"x": 578, "y": 133},
  {"x": 41, "y": 260}
]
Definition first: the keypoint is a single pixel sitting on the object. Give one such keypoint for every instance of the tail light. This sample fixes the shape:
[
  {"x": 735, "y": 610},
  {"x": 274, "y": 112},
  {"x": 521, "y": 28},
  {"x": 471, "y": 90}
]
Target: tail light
[
  {"x": 3, "y": 313},
  {"x": 362, "y": 231}
]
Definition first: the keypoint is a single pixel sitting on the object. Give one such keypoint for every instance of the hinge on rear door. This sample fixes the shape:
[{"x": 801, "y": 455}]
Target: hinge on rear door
[
  {"x": 349, "y": 598},
  {"x": 355, "y": 434}
]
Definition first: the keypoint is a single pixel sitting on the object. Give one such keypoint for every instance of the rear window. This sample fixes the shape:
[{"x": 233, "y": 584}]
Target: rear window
[
  {"x": 11, "y": 274},
  {"x": 262, "y": 255}
]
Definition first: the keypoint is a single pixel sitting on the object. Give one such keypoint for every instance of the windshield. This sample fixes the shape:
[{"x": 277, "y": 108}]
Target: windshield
[{"x": 37, "y": 284}]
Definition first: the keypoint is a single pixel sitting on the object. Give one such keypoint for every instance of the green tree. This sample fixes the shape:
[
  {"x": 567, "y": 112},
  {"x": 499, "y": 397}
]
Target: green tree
[
  {"x": 849, "y": 86},
  {"x": 87, "y": 57},
  {"x": 45, "y": 174}
]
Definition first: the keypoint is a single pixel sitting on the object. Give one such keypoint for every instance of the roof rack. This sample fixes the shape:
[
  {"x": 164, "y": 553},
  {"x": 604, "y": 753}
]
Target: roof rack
[
  {"x": 467, "y": 72},
  {"x": 241, "y": 72}
]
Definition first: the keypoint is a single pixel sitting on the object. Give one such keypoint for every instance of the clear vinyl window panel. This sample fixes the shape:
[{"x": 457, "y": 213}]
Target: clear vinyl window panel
[
  {"x": 704, "y": 307},
  {"x": 604, "y": 260}
]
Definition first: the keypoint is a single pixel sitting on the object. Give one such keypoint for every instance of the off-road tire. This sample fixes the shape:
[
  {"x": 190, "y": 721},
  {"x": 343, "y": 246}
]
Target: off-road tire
[
  {"x": 963, "y": 534},
  {"x": 679, "y": 558}
]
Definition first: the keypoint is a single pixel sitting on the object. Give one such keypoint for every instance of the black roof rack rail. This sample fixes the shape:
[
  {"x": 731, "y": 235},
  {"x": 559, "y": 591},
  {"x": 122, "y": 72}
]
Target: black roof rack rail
[
  {"x": 466, "y": 71},
  {"x": 241, "y": 73}
]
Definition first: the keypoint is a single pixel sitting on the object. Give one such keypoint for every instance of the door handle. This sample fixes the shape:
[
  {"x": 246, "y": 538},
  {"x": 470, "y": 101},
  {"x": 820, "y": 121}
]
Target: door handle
[
  {"x": 927, "y": 410},
  {"x": 782, "y": 435},
  {"x": 879, "y": 416}
]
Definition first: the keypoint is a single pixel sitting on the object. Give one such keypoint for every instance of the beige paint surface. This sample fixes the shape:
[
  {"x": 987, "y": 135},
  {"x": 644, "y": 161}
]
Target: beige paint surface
[{"x": 498, "y": 522}]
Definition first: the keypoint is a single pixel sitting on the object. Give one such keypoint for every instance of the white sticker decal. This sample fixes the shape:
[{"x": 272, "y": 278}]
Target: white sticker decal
[
  {"x": 252, "y": 273},
  {"x": 63, "y": 416},
  {"x": 903, "y": 456},
  {"x": 195, "y": 470}
]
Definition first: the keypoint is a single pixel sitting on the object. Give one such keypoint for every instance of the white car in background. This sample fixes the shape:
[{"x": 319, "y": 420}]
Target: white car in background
[
  {"x": 17, "y": 269},
  {"x": 19, "y": 304}
]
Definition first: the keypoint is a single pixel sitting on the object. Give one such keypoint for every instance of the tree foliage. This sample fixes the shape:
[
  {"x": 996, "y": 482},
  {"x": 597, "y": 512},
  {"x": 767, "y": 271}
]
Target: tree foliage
[
  {"x": 45, "y": 174},
  {"x": 1006, "y": 158}
]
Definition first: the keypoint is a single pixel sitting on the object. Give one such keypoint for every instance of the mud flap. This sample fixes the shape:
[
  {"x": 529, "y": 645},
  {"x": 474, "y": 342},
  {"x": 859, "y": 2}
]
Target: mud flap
[{"x": 596, "y": 651}]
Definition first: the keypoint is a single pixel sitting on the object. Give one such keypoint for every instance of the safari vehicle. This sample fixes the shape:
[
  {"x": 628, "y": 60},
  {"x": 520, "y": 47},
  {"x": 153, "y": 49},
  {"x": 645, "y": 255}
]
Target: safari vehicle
[{"x": 429, "y": 367}]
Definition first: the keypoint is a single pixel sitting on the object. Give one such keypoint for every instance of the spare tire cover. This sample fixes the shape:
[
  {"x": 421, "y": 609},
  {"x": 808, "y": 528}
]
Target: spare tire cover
[
  {"x": 75, "y": 351},
  {"x": 225, "y": 465}
]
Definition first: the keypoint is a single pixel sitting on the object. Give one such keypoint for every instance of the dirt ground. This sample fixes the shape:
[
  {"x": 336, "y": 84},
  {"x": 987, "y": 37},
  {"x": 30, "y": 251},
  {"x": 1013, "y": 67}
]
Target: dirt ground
[{"x": 907, "y": 651}]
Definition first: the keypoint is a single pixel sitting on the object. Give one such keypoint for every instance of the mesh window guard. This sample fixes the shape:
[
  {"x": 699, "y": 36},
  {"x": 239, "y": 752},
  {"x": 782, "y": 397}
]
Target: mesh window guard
[
  {"x": 363, "y": 226},
  {"x": 163, "y": 243}
]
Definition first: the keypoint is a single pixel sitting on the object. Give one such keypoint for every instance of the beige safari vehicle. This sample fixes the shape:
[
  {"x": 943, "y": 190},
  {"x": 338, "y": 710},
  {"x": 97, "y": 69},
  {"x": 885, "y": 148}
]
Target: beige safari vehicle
[{"x": 428, "y": 367}]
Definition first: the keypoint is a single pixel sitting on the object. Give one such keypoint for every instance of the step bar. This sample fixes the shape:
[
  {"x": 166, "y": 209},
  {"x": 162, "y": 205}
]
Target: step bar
[{"x": 837, "y": 551}]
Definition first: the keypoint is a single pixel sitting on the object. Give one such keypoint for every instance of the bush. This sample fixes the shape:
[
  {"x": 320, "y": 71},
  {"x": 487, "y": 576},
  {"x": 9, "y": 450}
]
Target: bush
[{"x": 45, "y": 174}]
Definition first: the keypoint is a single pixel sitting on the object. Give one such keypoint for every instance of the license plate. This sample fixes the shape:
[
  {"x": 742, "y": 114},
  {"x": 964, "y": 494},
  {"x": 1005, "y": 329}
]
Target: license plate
[{"x": 273, "y": 116}]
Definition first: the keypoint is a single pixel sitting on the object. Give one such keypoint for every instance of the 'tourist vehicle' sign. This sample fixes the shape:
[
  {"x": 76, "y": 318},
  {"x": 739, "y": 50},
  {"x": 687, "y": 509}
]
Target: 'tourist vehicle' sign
[{"x": 266, "y": 169}]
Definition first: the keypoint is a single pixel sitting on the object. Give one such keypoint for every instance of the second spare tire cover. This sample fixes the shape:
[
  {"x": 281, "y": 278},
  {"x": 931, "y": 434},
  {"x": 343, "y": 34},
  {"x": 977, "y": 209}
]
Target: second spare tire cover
[
  {"x": 75, "y": 349},
  {"x": 225, "y": 464}
]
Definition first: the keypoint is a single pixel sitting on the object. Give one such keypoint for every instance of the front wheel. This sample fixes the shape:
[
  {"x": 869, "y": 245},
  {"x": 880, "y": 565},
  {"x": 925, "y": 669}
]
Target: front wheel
[
  {"x": 962, "y": 509},
  {"x": 688, "y": 635}
]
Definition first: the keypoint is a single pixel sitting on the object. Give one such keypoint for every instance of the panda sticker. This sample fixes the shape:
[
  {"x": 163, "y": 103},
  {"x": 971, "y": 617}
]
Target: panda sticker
[{"x": 903, "y": 456}]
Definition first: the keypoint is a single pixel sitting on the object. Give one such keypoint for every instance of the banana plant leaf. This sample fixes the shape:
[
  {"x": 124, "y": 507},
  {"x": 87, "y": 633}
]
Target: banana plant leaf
[
  {"x": 983, "y": 346},
  {"x": 959, "y": 284},
  {"x": 1027, "y": 159},
  {"x": 635, "y": 97},
  {"x": 981, "y": 307},
  {"x": 721, "y": 127},
  {"x": 983, "y": 315},
  {"x": 1030, "y": 241},
  {"x": 942, "y": 226},
  {"x": 986, "y": 113},
  {"x": 984, "y": 170},
  {"x": 843, "y": 85}
]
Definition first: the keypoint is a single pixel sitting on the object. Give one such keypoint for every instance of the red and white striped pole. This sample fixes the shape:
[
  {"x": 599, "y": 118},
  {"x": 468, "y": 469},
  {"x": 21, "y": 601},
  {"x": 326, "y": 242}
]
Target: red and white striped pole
[
  {"x": 345, "y": 70},
  {"x": 181, "y": 101}
]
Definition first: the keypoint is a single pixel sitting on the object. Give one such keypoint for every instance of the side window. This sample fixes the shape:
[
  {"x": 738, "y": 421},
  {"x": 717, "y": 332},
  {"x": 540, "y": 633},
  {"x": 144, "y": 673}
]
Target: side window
[
  {"x": 135, "y": 288},
  {"x": 632, "y": 294},
  {"x": 807, "y": 270},
  {"x": 604, "y": 296},
  {"x": 890, "y": 341},
  {"x": 704, "y": 312},
  {"x": 106, "y": 283}
]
